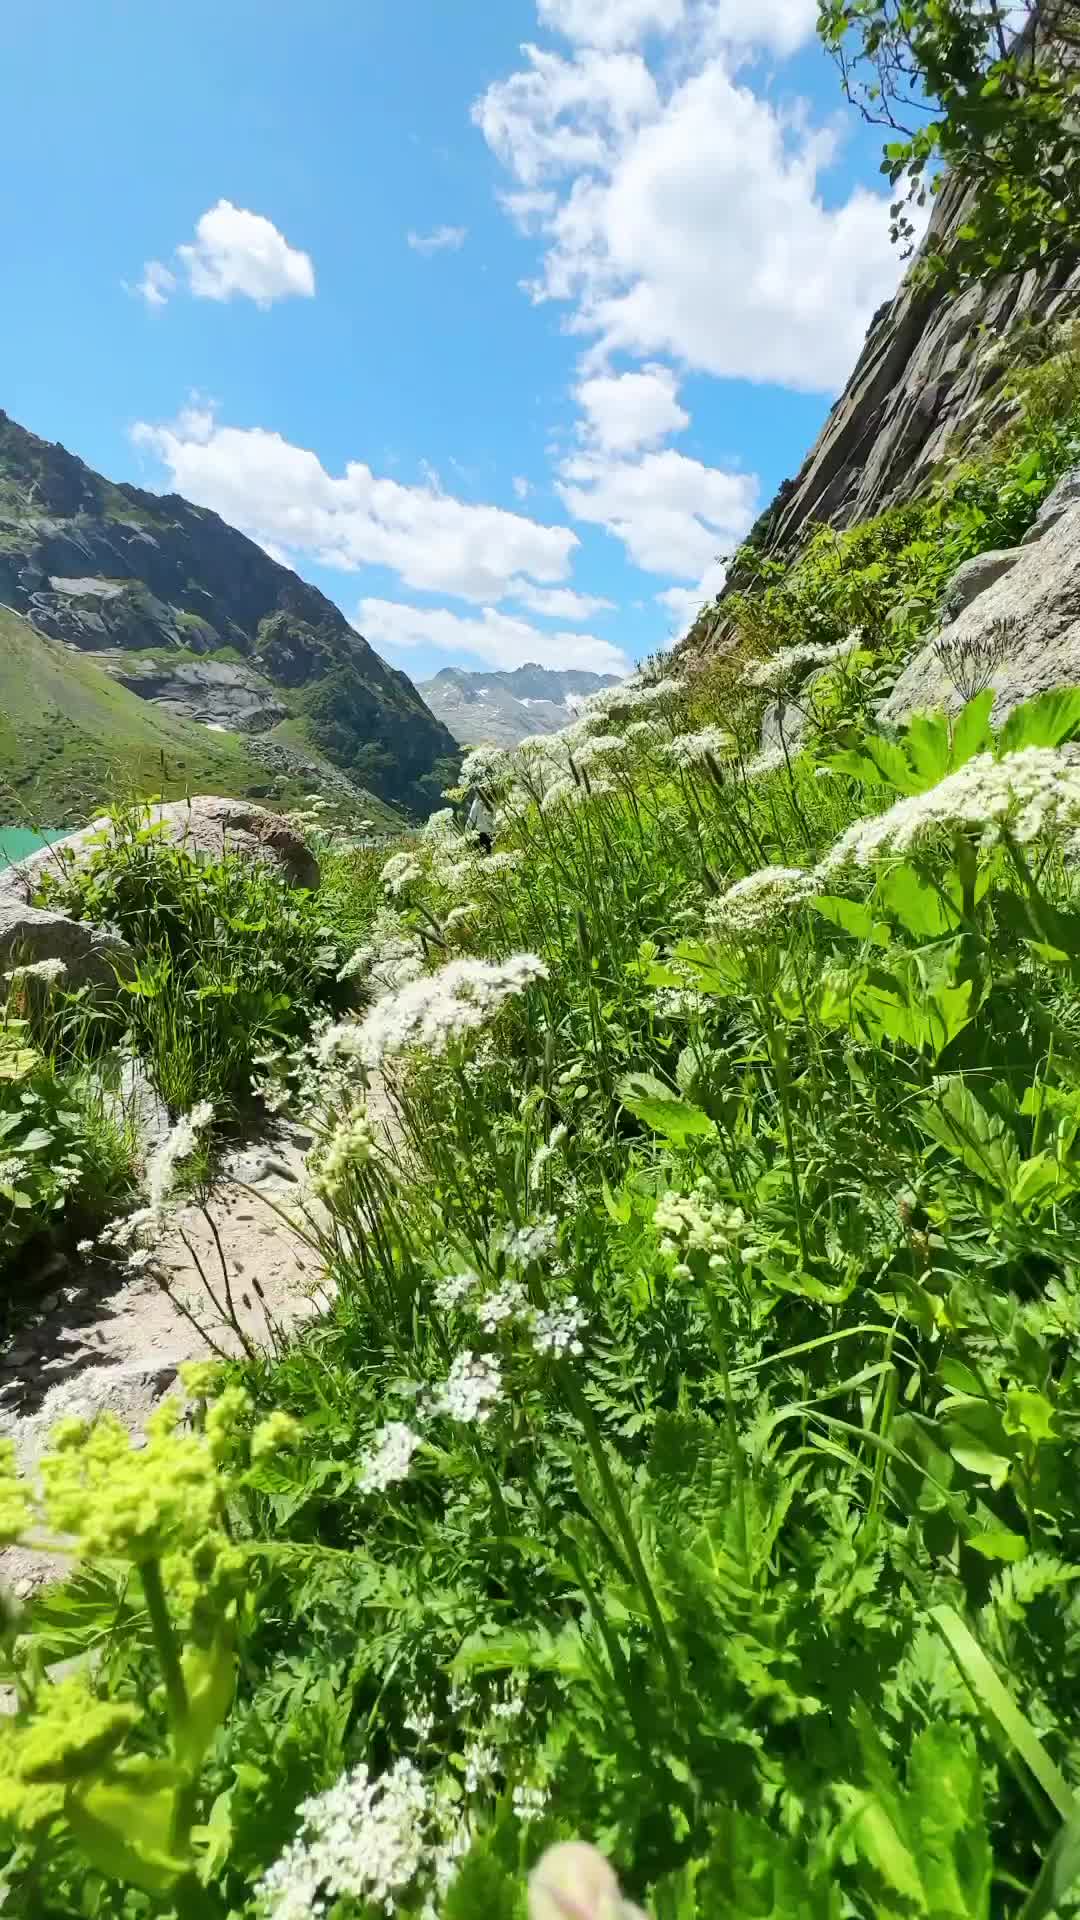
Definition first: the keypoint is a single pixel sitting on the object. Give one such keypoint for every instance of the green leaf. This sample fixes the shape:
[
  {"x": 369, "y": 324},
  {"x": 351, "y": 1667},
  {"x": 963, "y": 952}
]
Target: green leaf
[
  {"x": 971, "y": 728},
  {"x": 123, "y": 1823},
  {"x": 980, "y": 1140},
  {"x": 1060, "y": 1871},
  {"x": 999, "y": 1707},
  {"x": 999, "y": 1544},
  {"x": 852, "y": 915},
  {"x": 652, "y": 1102},
  {"x": 1047, "y": 721},
  {"x": 210, "y": 1681}
]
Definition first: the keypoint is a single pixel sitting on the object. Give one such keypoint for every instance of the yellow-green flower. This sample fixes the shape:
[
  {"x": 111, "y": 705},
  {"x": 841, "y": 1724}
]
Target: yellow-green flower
[{"x": 124, "y": 1504}]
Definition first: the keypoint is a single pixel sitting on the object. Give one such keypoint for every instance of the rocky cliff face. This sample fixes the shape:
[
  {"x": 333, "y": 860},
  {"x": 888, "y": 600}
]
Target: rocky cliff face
[
  {"x": 188, "y": 612},
  {"x": 925, "y": 379}
]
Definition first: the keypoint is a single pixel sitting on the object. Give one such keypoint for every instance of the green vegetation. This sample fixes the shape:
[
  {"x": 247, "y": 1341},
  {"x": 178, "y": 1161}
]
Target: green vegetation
[
  {"x": 985, "y": 91},
  {"x": 71, "y": 738}
]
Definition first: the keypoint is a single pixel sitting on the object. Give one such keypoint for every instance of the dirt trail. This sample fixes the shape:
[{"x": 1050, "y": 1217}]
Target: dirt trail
[{"x": 115, "y": 1341}]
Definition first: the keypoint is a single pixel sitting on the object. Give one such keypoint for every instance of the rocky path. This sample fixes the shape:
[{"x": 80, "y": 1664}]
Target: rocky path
[{"x": 114, "y": 1341}]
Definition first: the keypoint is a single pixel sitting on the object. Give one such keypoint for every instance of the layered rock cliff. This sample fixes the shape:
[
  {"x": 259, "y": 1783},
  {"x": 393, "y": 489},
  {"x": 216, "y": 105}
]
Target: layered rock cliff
[
  {"x": 189, "y": 613},
  {"x": 926, "y": 383}
]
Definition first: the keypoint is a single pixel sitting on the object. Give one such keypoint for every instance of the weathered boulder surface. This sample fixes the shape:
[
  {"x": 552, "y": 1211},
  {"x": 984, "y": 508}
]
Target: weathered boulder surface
[
  {"x": 1057, "y": 503},
  {"x": 975, "y": 575},
  {"x": 92, "y": 956},
  {"x": 1027, "y": 624},
  {"x": 205, "y": 825}
]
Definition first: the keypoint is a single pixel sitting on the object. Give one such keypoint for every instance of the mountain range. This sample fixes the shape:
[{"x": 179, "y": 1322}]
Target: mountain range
[
  {"x": 160, "y": 631},
  {"x": 505, "y": 707}
]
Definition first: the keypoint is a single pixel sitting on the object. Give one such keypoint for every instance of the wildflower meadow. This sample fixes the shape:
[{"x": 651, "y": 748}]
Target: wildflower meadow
[{"x": 673, "y": 1509}]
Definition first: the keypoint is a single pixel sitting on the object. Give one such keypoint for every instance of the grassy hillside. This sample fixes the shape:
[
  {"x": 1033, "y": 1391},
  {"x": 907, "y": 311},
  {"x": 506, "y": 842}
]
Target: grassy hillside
[{"x": 70, "y": 738}]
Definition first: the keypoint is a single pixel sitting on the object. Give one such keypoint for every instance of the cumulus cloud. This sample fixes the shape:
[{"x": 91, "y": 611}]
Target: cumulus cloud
[
  {"x": 780, "y": 25},
  {"x": 496, "y": 638},
  {"x": 610, "y": 23},
  {"x": 685, "y": 603},
  {"x": 624, "y": 411},
  {"x": 684, "y": 215},
  {"x": 672, "y": 514},
  {"x": 521, "y": 486},
  {"x": 281, "y": 493},
  {"x": 440, "y": 240},
  {"x": 235, "y": 254},
  {"x": 562, "y": 603}
]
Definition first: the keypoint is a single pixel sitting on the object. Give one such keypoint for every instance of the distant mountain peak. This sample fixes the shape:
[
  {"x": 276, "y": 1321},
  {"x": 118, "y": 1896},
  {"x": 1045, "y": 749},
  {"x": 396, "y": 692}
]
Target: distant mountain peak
[{"x": 504, "y": 705}]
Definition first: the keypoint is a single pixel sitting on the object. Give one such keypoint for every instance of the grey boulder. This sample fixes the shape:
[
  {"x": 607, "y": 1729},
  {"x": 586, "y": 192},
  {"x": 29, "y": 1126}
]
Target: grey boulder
[
  {"x": 1057, "y": 503},
  {"x": 205, "y": 825},
  {"x": 974, "y": 576},
  {"x": 92, "y": 956},
  {"x": 1021, "y": 636}
]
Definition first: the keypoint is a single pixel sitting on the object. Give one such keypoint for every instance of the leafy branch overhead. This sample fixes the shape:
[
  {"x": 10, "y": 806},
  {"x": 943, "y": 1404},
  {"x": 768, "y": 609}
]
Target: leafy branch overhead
[{"x": 983, "y": 90}]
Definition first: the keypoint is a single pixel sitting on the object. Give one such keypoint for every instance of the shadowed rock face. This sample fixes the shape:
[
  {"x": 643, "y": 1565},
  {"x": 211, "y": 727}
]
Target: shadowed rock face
[{"x": 119, "y": 572}]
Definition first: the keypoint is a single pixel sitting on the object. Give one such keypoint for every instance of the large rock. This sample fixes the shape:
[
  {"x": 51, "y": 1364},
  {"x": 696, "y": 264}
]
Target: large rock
[
  {"x": 1057, "y": 503},
  {"x": 205, "y": 825},
  {"x": 92, "y": 956},
  {"x": 1025, "y": 629},
  {"x": 975, "y": 575}
]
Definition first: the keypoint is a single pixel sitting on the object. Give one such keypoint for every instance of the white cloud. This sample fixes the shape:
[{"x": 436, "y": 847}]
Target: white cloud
[
  {"x": 157, "y": 283},
  {"x": 685, "y": 217},
  {"x": 521, "y": 486},
  {"x": 282, "y": 493},
  {"x": 496, "y": 638},
  {"x": 624, "y": 411},
  {"x": 440, "y": 240},
  {"x": 609, "y": 23},
  {"x": 685, "y": 603},
  {"x": 780, "y": 25},
  {"x": 234, "y": 253},
  {"x": 562, "y": 603},
  {"x": 672, "y": 514}
]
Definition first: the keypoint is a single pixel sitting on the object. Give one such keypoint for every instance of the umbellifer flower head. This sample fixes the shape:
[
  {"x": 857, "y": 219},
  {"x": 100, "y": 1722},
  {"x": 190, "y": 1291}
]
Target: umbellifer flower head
[
  {"x": 757, "y": 903},
  {"x": 445, "y": 1006},
  {"x": 390, "y": 1458},
  {"x": 472, "y": 1389},
  {"x": 1034, "y": 791}
]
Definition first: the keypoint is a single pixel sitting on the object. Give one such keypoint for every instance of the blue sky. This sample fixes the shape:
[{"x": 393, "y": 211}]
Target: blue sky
[{"x": 499, "y": 320}]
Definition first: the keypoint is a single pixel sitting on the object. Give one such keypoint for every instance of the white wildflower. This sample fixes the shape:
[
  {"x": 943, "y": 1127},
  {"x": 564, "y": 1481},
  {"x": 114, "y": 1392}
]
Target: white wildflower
[
  {"x": 598, "y": 746},
  {"x": 82, "y": 1247},
  {"x": 472, "y": 1390},
  {"x": 678, "y": 1003},
  {"x": 458, "y": 915},
  {"x": 759, "y": 901},
  {"x": 768, "y": 762},
  {"x": 508, "y": 1302},
  {"x": 139, "y": 1258},
  {"x": 399, "y": 873},
  {"x": 485, "y": 766},
  {"x": 503, "y": 862},
  {"x": 364, "y": 1840},
  {"x": 11, "y": 1169},
  {"x": 526, "y": 1244},
  {"x": 441, "y": 825},
  {"x": 558, "y": 1330},
  {"x": 420, "y": 1719},
  {"x": 645, "y": 730},
  {"x": 390, "y": 1458},
  {"x": 530, "y": 1803},
  {"x": 455, "y": 1288},
  {"x": 690, "y": 749},
  {"x": 1034, "y": 791},
  {"x": 794, "y": 663},
  {"x": 444, "y": 1006},
  {"x": 481, "y": 1765},
  {"x": 338, "y": 1043}
]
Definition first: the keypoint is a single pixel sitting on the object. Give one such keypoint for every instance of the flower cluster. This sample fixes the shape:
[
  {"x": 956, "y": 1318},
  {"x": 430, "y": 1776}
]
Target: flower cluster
[
  {"x": 363, "y": 1839},
  {"x": 124, "y": 1503},
  {"x": 390, "y": 1458},
  {"x": 523, "y": 1245},
  {"x": 472, "y": 1389},
  {"x": 791, "y": 664},
  {"x": 1031, "y": 792},
  {"x": 350, "y": 1147},
  {"x": 508, "y": 1302},
  {"x": 454, "y": 1288},
  {"x": 558, "y": 1331},
  {"x": 399, "y": 873},
  {"x": 690, "y": 749},
  {"x": 697, "y": 1223},
  {"x": 757, "y": 903},
  {"x": 444, "y": 1006}
]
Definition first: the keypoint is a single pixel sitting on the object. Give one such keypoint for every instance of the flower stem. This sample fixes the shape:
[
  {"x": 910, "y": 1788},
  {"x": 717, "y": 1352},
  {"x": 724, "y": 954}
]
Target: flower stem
[{"x": 165, "y": 1642}]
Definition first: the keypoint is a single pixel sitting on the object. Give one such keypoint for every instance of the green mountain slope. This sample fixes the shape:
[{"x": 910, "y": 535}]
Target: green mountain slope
[
  {"x": 72, "y": 738},
  {"x": 197, "y": 619}
]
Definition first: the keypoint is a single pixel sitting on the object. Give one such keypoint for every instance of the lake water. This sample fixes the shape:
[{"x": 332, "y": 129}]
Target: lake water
[{"x": 17, "y": 842}]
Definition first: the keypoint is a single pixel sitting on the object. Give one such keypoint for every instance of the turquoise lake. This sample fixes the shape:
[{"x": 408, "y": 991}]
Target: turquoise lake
[{"x": 16, "y": 842}]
